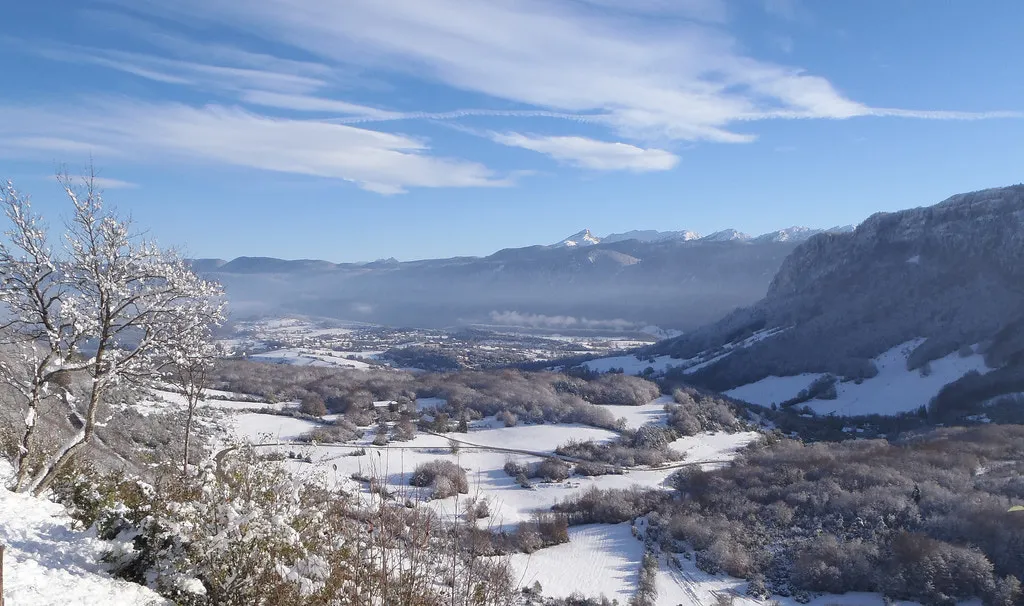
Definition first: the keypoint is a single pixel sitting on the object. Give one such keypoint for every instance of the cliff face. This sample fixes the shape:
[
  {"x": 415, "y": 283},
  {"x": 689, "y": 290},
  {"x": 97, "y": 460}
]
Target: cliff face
[
  {"x": 952, "y": 273},
  {"x": 961, "y": 231}
]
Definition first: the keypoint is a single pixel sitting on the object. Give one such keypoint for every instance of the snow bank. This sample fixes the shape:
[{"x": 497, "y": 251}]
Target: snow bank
[{"x": 48, "y": 564}]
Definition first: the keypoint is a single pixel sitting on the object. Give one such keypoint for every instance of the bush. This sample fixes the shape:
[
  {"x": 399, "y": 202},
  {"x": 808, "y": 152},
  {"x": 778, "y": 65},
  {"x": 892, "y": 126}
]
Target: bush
[
  {"x": 445, "y": 477},
  {"x": 695, "y": 411},
  {"x": 313, "y": 405},
  {"x": 514, "y": 468},
  {"x": 337, "y": 433},
  {"x": 553, "y": 470},
  {"x": 507, "y": 418},
  {"x": 596, "y": 506}
]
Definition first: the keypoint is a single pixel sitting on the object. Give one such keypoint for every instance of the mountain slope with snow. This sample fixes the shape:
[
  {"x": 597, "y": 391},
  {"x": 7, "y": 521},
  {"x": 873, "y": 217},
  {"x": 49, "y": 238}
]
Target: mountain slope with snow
[{"x": 949, "y": 274}]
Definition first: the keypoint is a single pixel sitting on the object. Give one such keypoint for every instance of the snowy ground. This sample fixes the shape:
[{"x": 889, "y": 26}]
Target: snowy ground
[
  {"x": 313, "y": 357},
  {"x": 637, "y": 416},
  {"x": 634, "y": 365},
  {"x": 482, "y": 452},
  {"x": 46, "y": 563},
  {"x": 894, "y": 390},
  {"x": 599, "y": 559}
]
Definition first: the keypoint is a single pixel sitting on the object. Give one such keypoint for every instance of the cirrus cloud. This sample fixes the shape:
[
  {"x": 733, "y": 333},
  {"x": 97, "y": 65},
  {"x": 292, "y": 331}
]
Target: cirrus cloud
[
  {"x": 376, "y": 161},
  {"x": 592, "y": 154}
]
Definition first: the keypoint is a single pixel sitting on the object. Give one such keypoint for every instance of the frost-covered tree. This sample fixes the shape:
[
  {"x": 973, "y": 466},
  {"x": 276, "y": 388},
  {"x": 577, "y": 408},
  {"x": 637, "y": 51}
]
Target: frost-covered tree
[
  {"x": 37, "y": 338},
  {"x": 113, "y": 306},
  {"x": 191, "y": 361}
]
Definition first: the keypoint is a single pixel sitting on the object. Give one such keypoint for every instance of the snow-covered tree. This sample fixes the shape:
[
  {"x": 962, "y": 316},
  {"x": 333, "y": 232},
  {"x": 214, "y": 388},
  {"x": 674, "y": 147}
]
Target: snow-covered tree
[
  {"x": 113, "y": 306},
  {"x": 191, "y": 363},
  {"x": 37, "y": 339}
]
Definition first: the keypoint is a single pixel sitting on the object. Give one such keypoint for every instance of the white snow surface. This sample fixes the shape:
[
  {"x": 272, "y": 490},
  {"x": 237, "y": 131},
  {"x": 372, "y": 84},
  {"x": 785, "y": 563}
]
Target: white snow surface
[
  {"x": 632, "y": 365},
  {"x": 483, "y": 454},
  {"x": 47, "y": 563},
  {"x": 638, "y": 416},
  {"x": 598, "y": 559},
  {"x": 309, "y": 357},
  {"x": 892, "y": 391},
  {"x": 258, "y": 428}
]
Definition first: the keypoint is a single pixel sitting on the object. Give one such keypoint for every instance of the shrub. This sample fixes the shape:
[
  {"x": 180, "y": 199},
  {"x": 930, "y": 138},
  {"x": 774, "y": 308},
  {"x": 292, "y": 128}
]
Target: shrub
[
  {"x": 507, "y": 418},
  {"x": 313, "y": 405},
  {"x": 553, "y": 470},
  {"x": 445, "y": 477},
  {"x": 514, "y": 468},
  {"x": 596, "y": 506}
]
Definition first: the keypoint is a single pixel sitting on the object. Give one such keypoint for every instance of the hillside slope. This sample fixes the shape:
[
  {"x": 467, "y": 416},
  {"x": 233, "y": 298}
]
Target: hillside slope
[{"x": 950, "y": 275}]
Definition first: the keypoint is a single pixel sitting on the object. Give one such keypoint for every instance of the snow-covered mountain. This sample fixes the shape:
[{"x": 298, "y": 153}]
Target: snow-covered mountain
[
  {"x": 726, "y": 235},
  {"x": 580, "y": 238},
  {"x": 651, "y": 235},
  {"x": 793, "y": 234},
  {"x": 799, "y": 234},
  {"x": 789, "y": 234}
]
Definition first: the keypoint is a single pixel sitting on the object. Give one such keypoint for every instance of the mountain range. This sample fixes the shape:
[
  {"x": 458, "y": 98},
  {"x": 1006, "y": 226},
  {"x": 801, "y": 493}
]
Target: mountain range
[
  {"x": 789, "y": 234},
  {"x": 674, "y": 280}
]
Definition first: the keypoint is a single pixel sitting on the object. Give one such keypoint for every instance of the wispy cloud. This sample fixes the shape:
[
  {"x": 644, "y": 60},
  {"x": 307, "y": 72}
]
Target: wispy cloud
[
  {"x": 592, "y": 154},
  {"x": 712, "y": 11},
  {"x": 107, "y": 183},
  {"x": 649, "y": 73},
  {"x": 644, "y": 79},
  {"x": 380, "y": 162},
  {"x": 276, "y": 75}
]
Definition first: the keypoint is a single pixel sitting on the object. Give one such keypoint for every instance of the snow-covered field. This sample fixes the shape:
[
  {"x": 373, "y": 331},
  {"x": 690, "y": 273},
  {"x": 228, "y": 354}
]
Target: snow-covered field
[
  {"x": 47, "y": 564},
  {"x": 599, "y": 559},
  {"x": 894, "y": 390},
  {"x": 637, "y": 416},
  {"x": 313, "y": 357},
  {"x": 482, "y": 452},
  {"x": 632, "y": 365}
]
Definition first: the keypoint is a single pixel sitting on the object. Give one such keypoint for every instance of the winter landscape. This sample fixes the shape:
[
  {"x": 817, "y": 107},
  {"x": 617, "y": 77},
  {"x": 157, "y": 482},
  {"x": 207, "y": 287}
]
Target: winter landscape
[{"x": 324, "y": 340}]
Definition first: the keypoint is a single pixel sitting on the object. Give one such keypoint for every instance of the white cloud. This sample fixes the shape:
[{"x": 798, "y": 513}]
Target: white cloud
[
  {"x": 108, "y": 183},
  {"x": 646, "y": 78},
  {"x": 652, "y": 72},
  {"x": 376, "y": 161},
  {"x": 593, "y": 154},
  {"x": 272, "y": 74}
]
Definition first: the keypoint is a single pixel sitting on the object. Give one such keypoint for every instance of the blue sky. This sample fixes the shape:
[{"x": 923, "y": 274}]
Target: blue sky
[{"x": 364, "y": 129}]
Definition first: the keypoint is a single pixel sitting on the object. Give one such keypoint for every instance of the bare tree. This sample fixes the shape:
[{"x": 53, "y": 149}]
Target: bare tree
[{"x": 118, "y": 309}]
